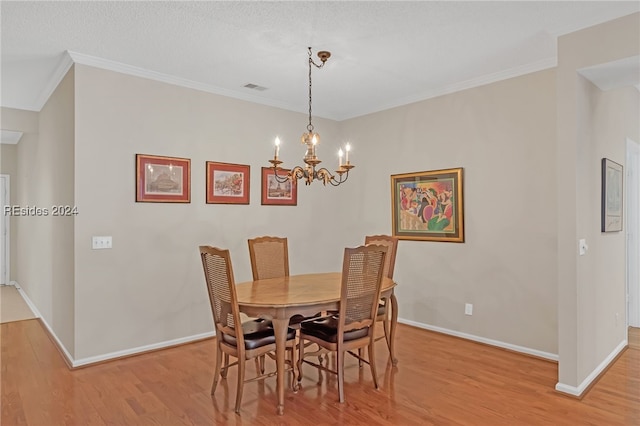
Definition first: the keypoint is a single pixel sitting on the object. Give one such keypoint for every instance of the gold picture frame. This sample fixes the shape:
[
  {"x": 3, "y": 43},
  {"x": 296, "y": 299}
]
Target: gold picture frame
[{"x": 428, "y": 206}]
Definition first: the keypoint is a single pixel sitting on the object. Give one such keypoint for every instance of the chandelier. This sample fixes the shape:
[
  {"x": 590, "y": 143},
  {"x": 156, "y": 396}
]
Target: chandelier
[{"x": 311, "y": 139}]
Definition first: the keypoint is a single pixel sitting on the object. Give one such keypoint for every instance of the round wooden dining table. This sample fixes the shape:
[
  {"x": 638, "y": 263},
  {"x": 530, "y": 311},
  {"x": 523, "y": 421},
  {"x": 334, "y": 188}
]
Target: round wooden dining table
[{"x": 281, "y": 298}]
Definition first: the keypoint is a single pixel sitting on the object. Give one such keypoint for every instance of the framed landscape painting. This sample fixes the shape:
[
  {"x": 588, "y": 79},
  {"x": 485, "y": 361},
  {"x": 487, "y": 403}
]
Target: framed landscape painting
[
  {"x": 428, "y": 206},
  {"x": 227, "y": 183},
  {"x": 611, "y": 196},
  {"x": 277, "y": 193},
  {"x": 163, "y": 179}
]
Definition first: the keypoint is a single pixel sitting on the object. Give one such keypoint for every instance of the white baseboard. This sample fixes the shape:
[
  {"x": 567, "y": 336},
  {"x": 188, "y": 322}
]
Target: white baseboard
[
  {"x": 516, "y": 348},
  {"x": 188, "y": 339},
  {"x": 577, "y": 391},
  {"x": 105, "y": 357},
  {"x": 37, "y": 313},
  {"x": 141, "y": 349},
  {"x": 26, "y": 299}
]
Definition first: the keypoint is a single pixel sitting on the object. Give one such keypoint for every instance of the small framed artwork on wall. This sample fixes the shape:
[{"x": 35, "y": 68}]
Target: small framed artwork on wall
[
  {"x": 227, "y": 183},
  {"x": 163, "y": 179},
  {"x": 611, "y": 196},
  {"x": 275, "y": 192}
]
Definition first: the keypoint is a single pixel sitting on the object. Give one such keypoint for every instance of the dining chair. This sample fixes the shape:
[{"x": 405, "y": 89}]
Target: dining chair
[
  {"x": 244, "y": 341},
  {"x": 269, "y": 257},
  {"x": 389, "y": 265},
  {"x": 354, "y": 325}
]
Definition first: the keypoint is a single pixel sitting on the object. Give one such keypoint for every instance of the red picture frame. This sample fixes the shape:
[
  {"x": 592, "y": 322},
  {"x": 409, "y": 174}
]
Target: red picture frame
[
  {"x": 276, "y": 193},
  {"x": 163, "y": 179},
  {"x": 227, "y": 183}
]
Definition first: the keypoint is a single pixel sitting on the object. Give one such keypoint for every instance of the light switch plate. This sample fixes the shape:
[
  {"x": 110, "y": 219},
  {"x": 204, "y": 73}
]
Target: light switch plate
[
  {"x": 98, "y": 243},
  {"x": 583, "y": 247}
]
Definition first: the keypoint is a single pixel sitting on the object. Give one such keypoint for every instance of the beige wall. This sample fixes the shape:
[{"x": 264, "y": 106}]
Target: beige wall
[
  {"x": 45, "y": 248},
  {"x": 612, "y": 116},
  {"x": 150, "y": 288},
  {"x": 503, "y": 134},
  {"x": 27, "y": 123},
  {"x": 590, "y": 126}
]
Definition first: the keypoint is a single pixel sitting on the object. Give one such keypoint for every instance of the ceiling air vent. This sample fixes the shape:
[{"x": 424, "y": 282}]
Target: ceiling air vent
[{"x": 255, "y": 87}]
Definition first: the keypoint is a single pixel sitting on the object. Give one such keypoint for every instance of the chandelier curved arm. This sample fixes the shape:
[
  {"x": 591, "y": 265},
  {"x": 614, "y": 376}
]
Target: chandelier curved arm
[
  {"x": 325, "y": 176},
  {"x": 280, "y": 178}
]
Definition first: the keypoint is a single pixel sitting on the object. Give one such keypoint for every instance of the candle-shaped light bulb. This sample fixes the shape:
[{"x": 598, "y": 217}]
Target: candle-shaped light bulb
[
  {"x": 277, "y": 147},
  {"x": 347, "y": 148},
  {"x": 314, "y": 141},
  {"x": 340, "y": 154}
]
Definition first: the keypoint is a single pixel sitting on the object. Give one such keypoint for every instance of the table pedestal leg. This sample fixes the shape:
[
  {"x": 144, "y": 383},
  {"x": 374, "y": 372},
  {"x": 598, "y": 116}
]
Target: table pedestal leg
[{"x": 280, "y": 329}]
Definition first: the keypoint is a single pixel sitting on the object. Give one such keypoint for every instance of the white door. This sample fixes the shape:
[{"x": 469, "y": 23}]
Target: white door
[
  {"x": 633, "y": 233},
  {"x": 4, "y": 230}
]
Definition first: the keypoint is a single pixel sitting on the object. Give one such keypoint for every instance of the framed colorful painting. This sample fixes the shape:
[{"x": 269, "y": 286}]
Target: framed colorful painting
[
  {"x": 163, "y": 179},
  {"x": 428, "y": 206},
  {"x": 227, "y": 183},
  {"x": 611, "y": 196},
  {"x": 276, "y": 193}
]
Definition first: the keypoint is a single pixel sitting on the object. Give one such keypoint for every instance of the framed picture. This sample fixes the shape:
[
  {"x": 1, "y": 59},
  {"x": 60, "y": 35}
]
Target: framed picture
[
  {"x": 163, "y": 179},
  {"x": 227, "y": 183},
  {"x": 611, "y": 196},
  {"x": 428, "y": 206},
  {"x": 278, "y": 193}
]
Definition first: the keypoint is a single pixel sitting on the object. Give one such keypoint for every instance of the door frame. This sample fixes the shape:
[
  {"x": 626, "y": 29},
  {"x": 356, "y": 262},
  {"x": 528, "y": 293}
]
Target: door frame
[{"x": 6, "y": 227}]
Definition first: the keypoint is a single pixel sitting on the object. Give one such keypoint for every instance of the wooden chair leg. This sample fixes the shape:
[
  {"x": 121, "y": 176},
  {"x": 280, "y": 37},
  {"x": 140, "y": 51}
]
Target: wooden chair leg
[
  {"x": 372, "y": 363},
  {"x": 300, "y": 359},
  {"x": 217, "y": 369},
  {"x": 226, "y": 366},
  {"x": 360, "y": 356},
  {"x": 241, "y": 365},
  {"x": 340, "y": 368},
  {"x": 294, "y": 366}
]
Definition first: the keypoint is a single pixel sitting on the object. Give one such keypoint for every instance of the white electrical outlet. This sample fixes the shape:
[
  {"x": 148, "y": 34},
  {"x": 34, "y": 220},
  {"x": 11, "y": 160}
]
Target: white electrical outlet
[
  {"x": 468, "y": 309},
  {"x": 98, "y": 243}
]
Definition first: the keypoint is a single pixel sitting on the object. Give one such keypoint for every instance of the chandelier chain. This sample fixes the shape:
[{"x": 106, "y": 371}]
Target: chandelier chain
[{"x": 310, "y": 126}]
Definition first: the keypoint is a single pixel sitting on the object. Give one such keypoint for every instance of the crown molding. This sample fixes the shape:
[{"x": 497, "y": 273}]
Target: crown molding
[
  {"x": 71, "y": 57},
  {"x": 10, "y": 137},
  {"x": 468, "y": 84},
  {"x": 106, "y": 64},
  {"x": 58, "y": 74}
]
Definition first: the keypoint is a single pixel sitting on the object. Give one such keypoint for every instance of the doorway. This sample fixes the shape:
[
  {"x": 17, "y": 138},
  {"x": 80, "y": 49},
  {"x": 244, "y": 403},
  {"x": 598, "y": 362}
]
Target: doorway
[
  {"x": 4, "y": 231},
  {"x": 633, "y": 233}
]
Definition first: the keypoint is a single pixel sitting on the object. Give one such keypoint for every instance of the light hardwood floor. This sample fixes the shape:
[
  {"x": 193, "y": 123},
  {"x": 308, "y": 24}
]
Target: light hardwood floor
[{"x": 440, "y": 380}]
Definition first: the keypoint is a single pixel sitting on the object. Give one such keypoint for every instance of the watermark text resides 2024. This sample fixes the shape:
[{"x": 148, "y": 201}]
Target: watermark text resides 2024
[{"x": 55, "y": 210}]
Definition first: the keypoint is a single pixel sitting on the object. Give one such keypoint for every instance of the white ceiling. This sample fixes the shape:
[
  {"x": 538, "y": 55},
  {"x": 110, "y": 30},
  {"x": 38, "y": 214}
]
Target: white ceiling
[{"x": 384, "y": 53}]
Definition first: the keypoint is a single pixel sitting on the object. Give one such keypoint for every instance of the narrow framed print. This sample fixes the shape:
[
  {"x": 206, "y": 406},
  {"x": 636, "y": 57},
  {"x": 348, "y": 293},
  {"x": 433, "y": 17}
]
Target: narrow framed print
[
  {"x": 276, "y": 191},
  {"x": 428, "y": 206},
  {"x": 611, "y": 196},
  {"x": 163, "y": 179},
  {"x": 227, "y": 183}
]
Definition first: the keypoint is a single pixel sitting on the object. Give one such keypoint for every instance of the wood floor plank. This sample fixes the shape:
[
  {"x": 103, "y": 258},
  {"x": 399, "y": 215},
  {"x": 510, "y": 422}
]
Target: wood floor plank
[{"x": 440, "y": 380}]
